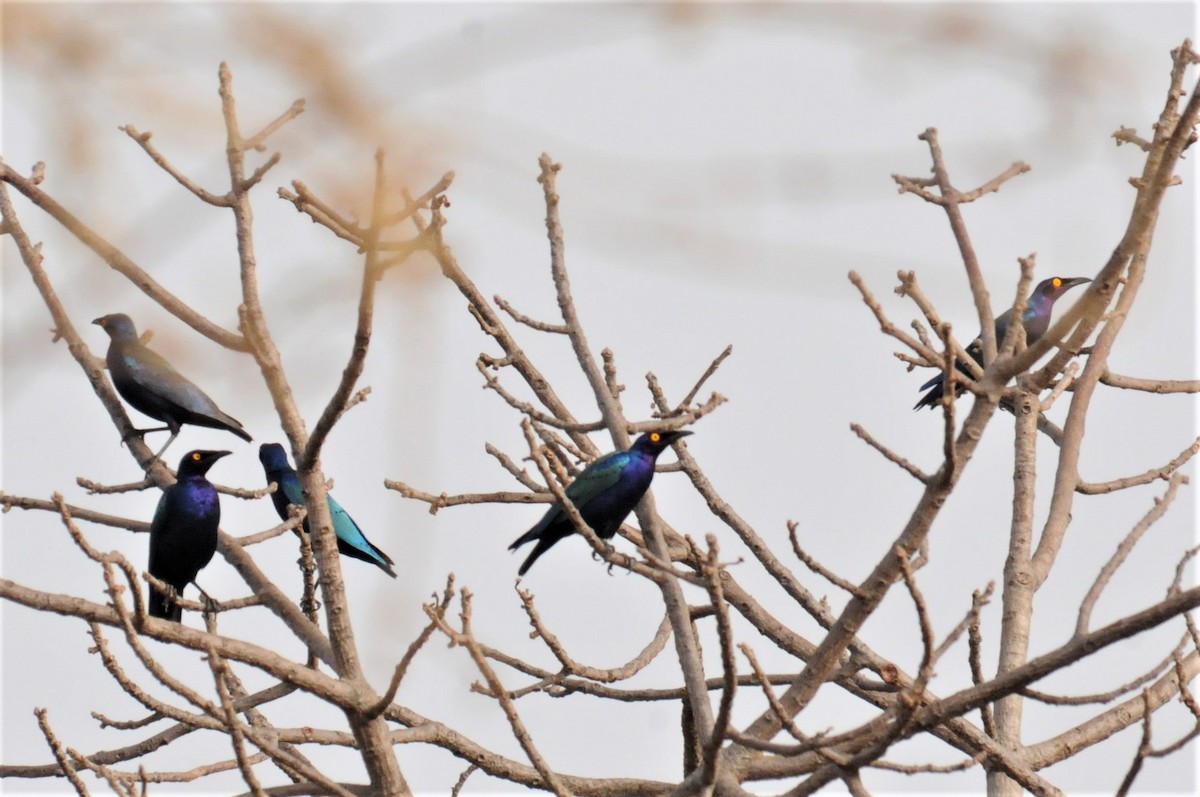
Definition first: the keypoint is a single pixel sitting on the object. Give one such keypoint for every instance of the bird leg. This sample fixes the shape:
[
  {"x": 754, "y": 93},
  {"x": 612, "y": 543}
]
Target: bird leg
[
  {"x": 211, "y": 604},
  {"x": 170, "y": 440},
  {"x": 142, "y": 432}
]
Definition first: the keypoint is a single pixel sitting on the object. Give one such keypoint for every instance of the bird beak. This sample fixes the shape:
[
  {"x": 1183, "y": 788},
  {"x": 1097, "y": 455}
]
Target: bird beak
[
  {"x": 675, "y": 435},
  {"x": 1071, "y": 283},
  {"x": 215, "y": 455},
  {"x": 98, "y": 321}
]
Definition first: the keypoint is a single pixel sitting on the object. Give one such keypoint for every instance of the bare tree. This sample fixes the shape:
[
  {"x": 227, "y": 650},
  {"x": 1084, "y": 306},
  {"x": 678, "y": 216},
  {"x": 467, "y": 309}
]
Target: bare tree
[{"x": 704, "y": 602}]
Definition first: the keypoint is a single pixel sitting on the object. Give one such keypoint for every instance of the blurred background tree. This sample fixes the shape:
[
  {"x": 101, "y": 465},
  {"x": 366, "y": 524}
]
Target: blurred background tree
[{"x": 723, "y": 170}]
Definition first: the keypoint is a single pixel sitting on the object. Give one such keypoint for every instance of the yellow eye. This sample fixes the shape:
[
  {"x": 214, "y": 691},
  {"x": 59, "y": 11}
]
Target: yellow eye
[
  {"x": 655, "y": 437},
  {"x": 1057, "y": 282},
  {"x": 195, "y": 456}
]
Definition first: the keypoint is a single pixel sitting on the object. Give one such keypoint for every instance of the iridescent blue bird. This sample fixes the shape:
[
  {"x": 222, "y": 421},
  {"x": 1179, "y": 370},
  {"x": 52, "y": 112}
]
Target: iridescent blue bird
[
  {"x": 604, "y": 493},
  {"x": 154, "y": 388},
  {"x": 350, "y": 539},
  {"x": 1036, "y": 320},
  {"x": 183, "y": 534}
]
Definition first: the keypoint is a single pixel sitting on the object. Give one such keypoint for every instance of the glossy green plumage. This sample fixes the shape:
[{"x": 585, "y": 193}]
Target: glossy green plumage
[
  {"x": 604, "y": 493},
  {"x": 1035, "y": 321}
]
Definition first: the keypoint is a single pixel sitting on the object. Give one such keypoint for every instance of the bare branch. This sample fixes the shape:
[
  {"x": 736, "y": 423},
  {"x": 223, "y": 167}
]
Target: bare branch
[
  {"x": 255, "y": 142},
  {"x": 362, "y": 334},
  {"x": 888, "y": 454},
  {"x": 402, "y": 667},
  {"x": 467, "y": 639},
  {"x": 1166, "y": 472},
  {"x": 714, "y": 573},
  {"x": 1160, "y": 386},
  {"x": 60, "y": 755},
  {"x": 540, "y": 326},
  {"x": 1139, "y": 758},
  {"x": 236, "y": 737},
  {"x": 815, "y": 566},
  {"x": 143, "y": 140},
  {"x": 572, "y": 667},
  {"x": 119, "y": 262},
  {"x": 1122, "y": 553}
]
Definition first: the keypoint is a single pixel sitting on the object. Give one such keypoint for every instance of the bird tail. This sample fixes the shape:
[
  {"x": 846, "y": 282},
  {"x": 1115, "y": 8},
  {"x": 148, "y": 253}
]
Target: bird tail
[
  {"x": 164, "y": 606},
  {"x": 372, "y": 555},
  {"x": 529, "y": 536},
  {"x": 225, "y": 421},
  {"x": 542, "y": 546},
  {"x": 380, "y": 559},
  {"x": 934, "y": 395},
  {"x": 236, "y": 428}
]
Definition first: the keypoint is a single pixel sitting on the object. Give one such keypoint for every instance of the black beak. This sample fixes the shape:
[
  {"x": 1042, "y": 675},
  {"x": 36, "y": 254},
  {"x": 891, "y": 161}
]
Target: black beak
[{"x": 671, "y": 437}]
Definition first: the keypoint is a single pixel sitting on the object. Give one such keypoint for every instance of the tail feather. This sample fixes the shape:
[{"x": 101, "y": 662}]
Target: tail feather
[
  {"x": 374, "y": 555},
  {"x": 543, "y": 545},
  {"x": 934, "y": 396},
  {"x": 529, "y": 536},
  {"x": 235, "y": 426}
]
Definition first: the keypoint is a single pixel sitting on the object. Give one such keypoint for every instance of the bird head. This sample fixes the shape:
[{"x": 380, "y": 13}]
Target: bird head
[
  {"x": 273, "y": 457},
  {"x": 117, "y": 325},
  {"x": 657, "y": 442},
  {"x": 1056, "y": 286},
  {"x": 197, "y": 463}
]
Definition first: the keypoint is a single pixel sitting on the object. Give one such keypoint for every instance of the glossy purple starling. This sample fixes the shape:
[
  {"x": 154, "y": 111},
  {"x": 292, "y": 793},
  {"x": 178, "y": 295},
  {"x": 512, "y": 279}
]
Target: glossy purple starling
[
  {"x": 183, "y": 534},
  {"x": 1036, "y": 320},
  {"x": 154, "y": 388},
  {"x": 604, "y": 493},
  {"x": 350, "y": 539}
]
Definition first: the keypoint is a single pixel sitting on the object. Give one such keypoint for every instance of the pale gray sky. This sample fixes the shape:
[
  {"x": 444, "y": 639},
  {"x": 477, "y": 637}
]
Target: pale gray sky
[{"x": 723, "y": 168}]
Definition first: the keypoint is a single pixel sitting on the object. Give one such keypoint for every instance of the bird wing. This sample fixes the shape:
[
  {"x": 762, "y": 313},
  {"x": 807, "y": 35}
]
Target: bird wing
[
  {"x": 1002, "y": 322},
  {"x": 159, "y": 531},
  {"x": 289, "y": 485},
  {"x": 348, "y": 532},
  {"x": 938, "y": 379},
  {"x": 151, "y": 372},
  {"x": 597, "y": 477}
]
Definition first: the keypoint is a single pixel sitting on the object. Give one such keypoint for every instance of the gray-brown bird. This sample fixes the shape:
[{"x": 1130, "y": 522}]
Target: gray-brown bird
[{"x": 153, "y": 387}]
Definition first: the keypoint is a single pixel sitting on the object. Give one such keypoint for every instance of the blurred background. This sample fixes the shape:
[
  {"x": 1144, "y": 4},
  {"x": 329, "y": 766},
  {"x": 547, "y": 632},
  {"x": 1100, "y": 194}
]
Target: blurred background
[{"x": 724, "y": 167}]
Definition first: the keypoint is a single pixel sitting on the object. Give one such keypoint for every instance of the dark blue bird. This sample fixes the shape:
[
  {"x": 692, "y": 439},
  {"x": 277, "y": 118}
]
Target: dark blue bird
[
  {"x": 183, "y": 534},
  {"x": 604, "y": 493},
  {"x": 154, "y": 388},
  {"x": 1036, "y": 320},
  {"x": 350, "y": 539}
]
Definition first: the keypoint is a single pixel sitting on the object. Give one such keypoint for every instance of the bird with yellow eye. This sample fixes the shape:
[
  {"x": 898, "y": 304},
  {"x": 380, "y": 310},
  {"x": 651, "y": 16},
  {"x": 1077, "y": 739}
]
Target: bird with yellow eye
[
  {"x": 183, "y": 533},
  {"x": 1036, "y": 320},
  {"x": 604, "y": 493}
]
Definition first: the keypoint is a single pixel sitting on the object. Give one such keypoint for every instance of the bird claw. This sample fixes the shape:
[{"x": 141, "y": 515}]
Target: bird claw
[
  {"x": 211, "y": 604},
  {"x": 171, "y": 597},
  {"x": 310, "y": 605}
]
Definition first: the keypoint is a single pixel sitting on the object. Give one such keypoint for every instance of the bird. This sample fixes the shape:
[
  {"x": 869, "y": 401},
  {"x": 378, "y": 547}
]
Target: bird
[
  {"x": 604, "y": 493},
  {"x": 183, "y": 534},
  {"x": 350, "y": 539},
  {"x": 1036, "y": 319},
  {"x": 153, "y": 387}
]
